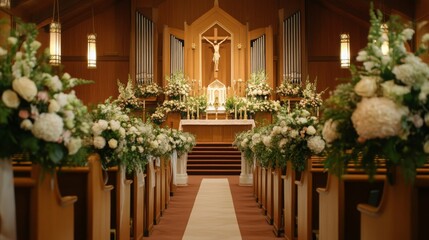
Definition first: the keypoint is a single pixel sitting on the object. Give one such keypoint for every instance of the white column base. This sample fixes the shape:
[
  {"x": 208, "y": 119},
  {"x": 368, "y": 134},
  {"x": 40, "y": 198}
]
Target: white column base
[
  {"x": 182, "y": 175},
  {"x": 246, "y": 176}
]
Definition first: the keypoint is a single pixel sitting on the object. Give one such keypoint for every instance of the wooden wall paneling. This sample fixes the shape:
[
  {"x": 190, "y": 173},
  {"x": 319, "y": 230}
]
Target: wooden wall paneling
[{"x": 422, "y": 27}]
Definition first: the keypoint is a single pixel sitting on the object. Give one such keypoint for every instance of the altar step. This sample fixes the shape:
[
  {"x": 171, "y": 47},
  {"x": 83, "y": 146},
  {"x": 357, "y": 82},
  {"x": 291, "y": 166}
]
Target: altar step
[{"x": 214, "y": 159}]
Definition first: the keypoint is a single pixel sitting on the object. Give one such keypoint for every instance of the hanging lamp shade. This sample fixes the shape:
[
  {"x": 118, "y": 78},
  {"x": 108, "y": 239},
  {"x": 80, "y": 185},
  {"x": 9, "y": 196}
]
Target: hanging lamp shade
[
  {"x": 5, "y": 3},
  {"x": 345, "y": 50},
  {"x": 92, "y": 50},
  {"x": 384, "y": 34},
  {"x": 55, "y": 43}
]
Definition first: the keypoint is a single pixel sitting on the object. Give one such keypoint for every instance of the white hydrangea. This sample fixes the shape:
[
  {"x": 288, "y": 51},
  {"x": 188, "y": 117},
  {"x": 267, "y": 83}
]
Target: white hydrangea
[
  {"x": 48, "y": 126},
  {"x": 54, "y": 83},
  {"x": 316, "y": 144},
  {"x": 378, "y": 117},
  {"x": 413, "y": 71},
  {"x": 394, "y": 91},
  {"x": 267, "y": 141},
  {"x": 114, "y": 125}
]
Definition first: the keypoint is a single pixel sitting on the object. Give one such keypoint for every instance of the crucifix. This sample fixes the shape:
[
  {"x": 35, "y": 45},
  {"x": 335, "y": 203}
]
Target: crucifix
[{"x": 216, "y": 45}]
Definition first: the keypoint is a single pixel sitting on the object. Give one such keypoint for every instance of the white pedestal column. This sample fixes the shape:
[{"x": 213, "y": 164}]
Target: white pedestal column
[
  {"x": 246, "y": 176},
  {"x": 181, "y": 169}
]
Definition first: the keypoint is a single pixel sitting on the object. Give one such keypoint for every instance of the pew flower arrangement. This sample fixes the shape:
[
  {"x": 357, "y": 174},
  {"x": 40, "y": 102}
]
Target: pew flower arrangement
[
  {"x": 116, "y": 137},
  {"x": 182, "y": 142},
  {"x": 383, "y": 111},
  {"x": 160, "y": 145},
  {"x": 39, "y": 114},
  {"x": 242, "y": 142},
  {"x": 303, "y": 139}
]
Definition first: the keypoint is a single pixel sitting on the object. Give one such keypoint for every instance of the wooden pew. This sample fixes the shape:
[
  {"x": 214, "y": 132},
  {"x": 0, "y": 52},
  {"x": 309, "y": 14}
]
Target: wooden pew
[
  {"x": 120, "y": 209},
  {"x": 399, "y": 209},
  {"x": 137, "y": 208},
  {"x": 158, "y": 192},
  {"x": 278, "y": 202},
  {"x": 307, "y": 198},
  {"x": 289, "y": 197},
  {"x": 338, "y": 215},
  {"x": 256, "y": 181},
  {"x": 52, "y": 216},
  {"x": 92, "y": 210},
  {"x": 149, "y": 198},
  {"x": 269, "y": 197},
  {"x": 23, "y": 189},
  {"x": 264, "y": 190}
]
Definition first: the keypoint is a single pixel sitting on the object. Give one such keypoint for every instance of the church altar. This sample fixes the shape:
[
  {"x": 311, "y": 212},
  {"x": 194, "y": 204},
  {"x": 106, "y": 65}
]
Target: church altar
[{"x": 220, "y": 131}]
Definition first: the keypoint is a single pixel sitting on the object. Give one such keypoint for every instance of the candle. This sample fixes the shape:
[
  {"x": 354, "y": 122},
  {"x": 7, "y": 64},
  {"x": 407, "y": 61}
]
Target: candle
[
  {"x": 245, "y": 113},
  {"x": 187, "y": 113},
  {"x": 198, "y": 111},
  {"x": 235, "y": 111}
]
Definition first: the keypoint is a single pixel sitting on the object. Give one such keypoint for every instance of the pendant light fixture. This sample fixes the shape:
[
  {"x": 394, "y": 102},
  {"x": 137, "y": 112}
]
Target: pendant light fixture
[
  {"x": 92, "y": 48},
  {"x": 55, "y": 36},
  {"x": 345, "y": 50},
  {"x": 5, "y": 4}
]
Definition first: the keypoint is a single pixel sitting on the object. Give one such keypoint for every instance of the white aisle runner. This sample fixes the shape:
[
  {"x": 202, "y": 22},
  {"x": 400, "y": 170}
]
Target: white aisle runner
[{"x": 213, "y": 214}]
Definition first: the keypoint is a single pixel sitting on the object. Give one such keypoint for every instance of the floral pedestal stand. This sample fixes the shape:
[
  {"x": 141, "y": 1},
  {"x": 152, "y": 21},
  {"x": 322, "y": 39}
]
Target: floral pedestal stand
[
  {"x": 181, "y": 168},
  {"x": 7, "y": 201},
  {"x": 246, "y": 175}
]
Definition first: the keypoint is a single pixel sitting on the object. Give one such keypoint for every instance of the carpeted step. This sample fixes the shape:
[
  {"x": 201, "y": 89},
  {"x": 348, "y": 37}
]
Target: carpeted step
[{"x": 214, "y": 159}]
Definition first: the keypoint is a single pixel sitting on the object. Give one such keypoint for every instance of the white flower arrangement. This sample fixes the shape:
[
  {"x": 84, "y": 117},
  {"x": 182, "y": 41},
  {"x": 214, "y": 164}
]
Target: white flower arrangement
[
  {"x": 289, "y": 89},
  {"x": 257, "y": 85},
  {"x": 381, "y": 112},
  {"x": 39, "y": 115},
  {"x": 177, "y": 86},
  {"x": 148, "y": 90},
  {"x": 127, "y": 98}
]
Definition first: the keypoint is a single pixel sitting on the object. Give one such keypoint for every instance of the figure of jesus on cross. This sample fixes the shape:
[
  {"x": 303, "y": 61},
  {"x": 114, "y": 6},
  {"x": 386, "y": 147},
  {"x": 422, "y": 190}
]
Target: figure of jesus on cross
[{"x": 216, "y": 45}]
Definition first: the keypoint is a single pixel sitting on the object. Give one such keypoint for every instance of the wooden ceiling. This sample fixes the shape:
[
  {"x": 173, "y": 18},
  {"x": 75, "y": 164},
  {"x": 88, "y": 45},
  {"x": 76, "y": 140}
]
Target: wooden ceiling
[
  {"x": 74, "y": 11},
  {"x": 40, "y": 12}
]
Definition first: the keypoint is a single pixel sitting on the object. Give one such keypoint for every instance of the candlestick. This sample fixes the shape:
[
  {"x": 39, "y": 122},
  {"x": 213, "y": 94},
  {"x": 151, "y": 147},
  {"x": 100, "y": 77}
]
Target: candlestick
[
  {"x": 235, "y": 111},
  {"x": 198, "y": 111},
  {"x": 187, "y": 113},
  {"x": 245, "y": 113}
]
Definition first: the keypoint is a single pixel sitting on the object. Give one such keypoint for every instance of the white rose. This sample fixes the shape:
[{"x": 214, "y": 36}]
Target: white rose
[
  {"x": 113, "y": 143},
  {"x": 141, "y": 149},
  {"x": 10, "y": 99},
  {"x": 48, "y": 126},
  {"x": 3, "y": 52},
  {"x": 96, "y": 129},
  {"x": 25, "y": 88},
  {"x": 53, "y": 106},
  {"x": 427, "y": 119},
  {"x": 26, "y": 124},
  {"x": 311, "y": 130},
  {"x": 329, "y": 131},
  {"x": 394, "y": 91},
  {"x": 293, "y": 133},
  {"x": 12, "y": 40},
  {"x": 122, "y": 132},
  {"x": 426, "y": 147},
  {"x": 366, "y": 87},
  {"x": 74, "y": 145},
  {"x": 103, "y": 124},
  {"x": 114, "y": 125},
  {"x": 99, "y": 142}
]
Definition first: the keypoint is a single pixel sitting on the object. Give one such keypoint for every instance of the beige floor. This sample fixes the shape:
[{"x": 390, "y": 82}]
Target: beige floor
[{"x": 213, "y": 215}]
